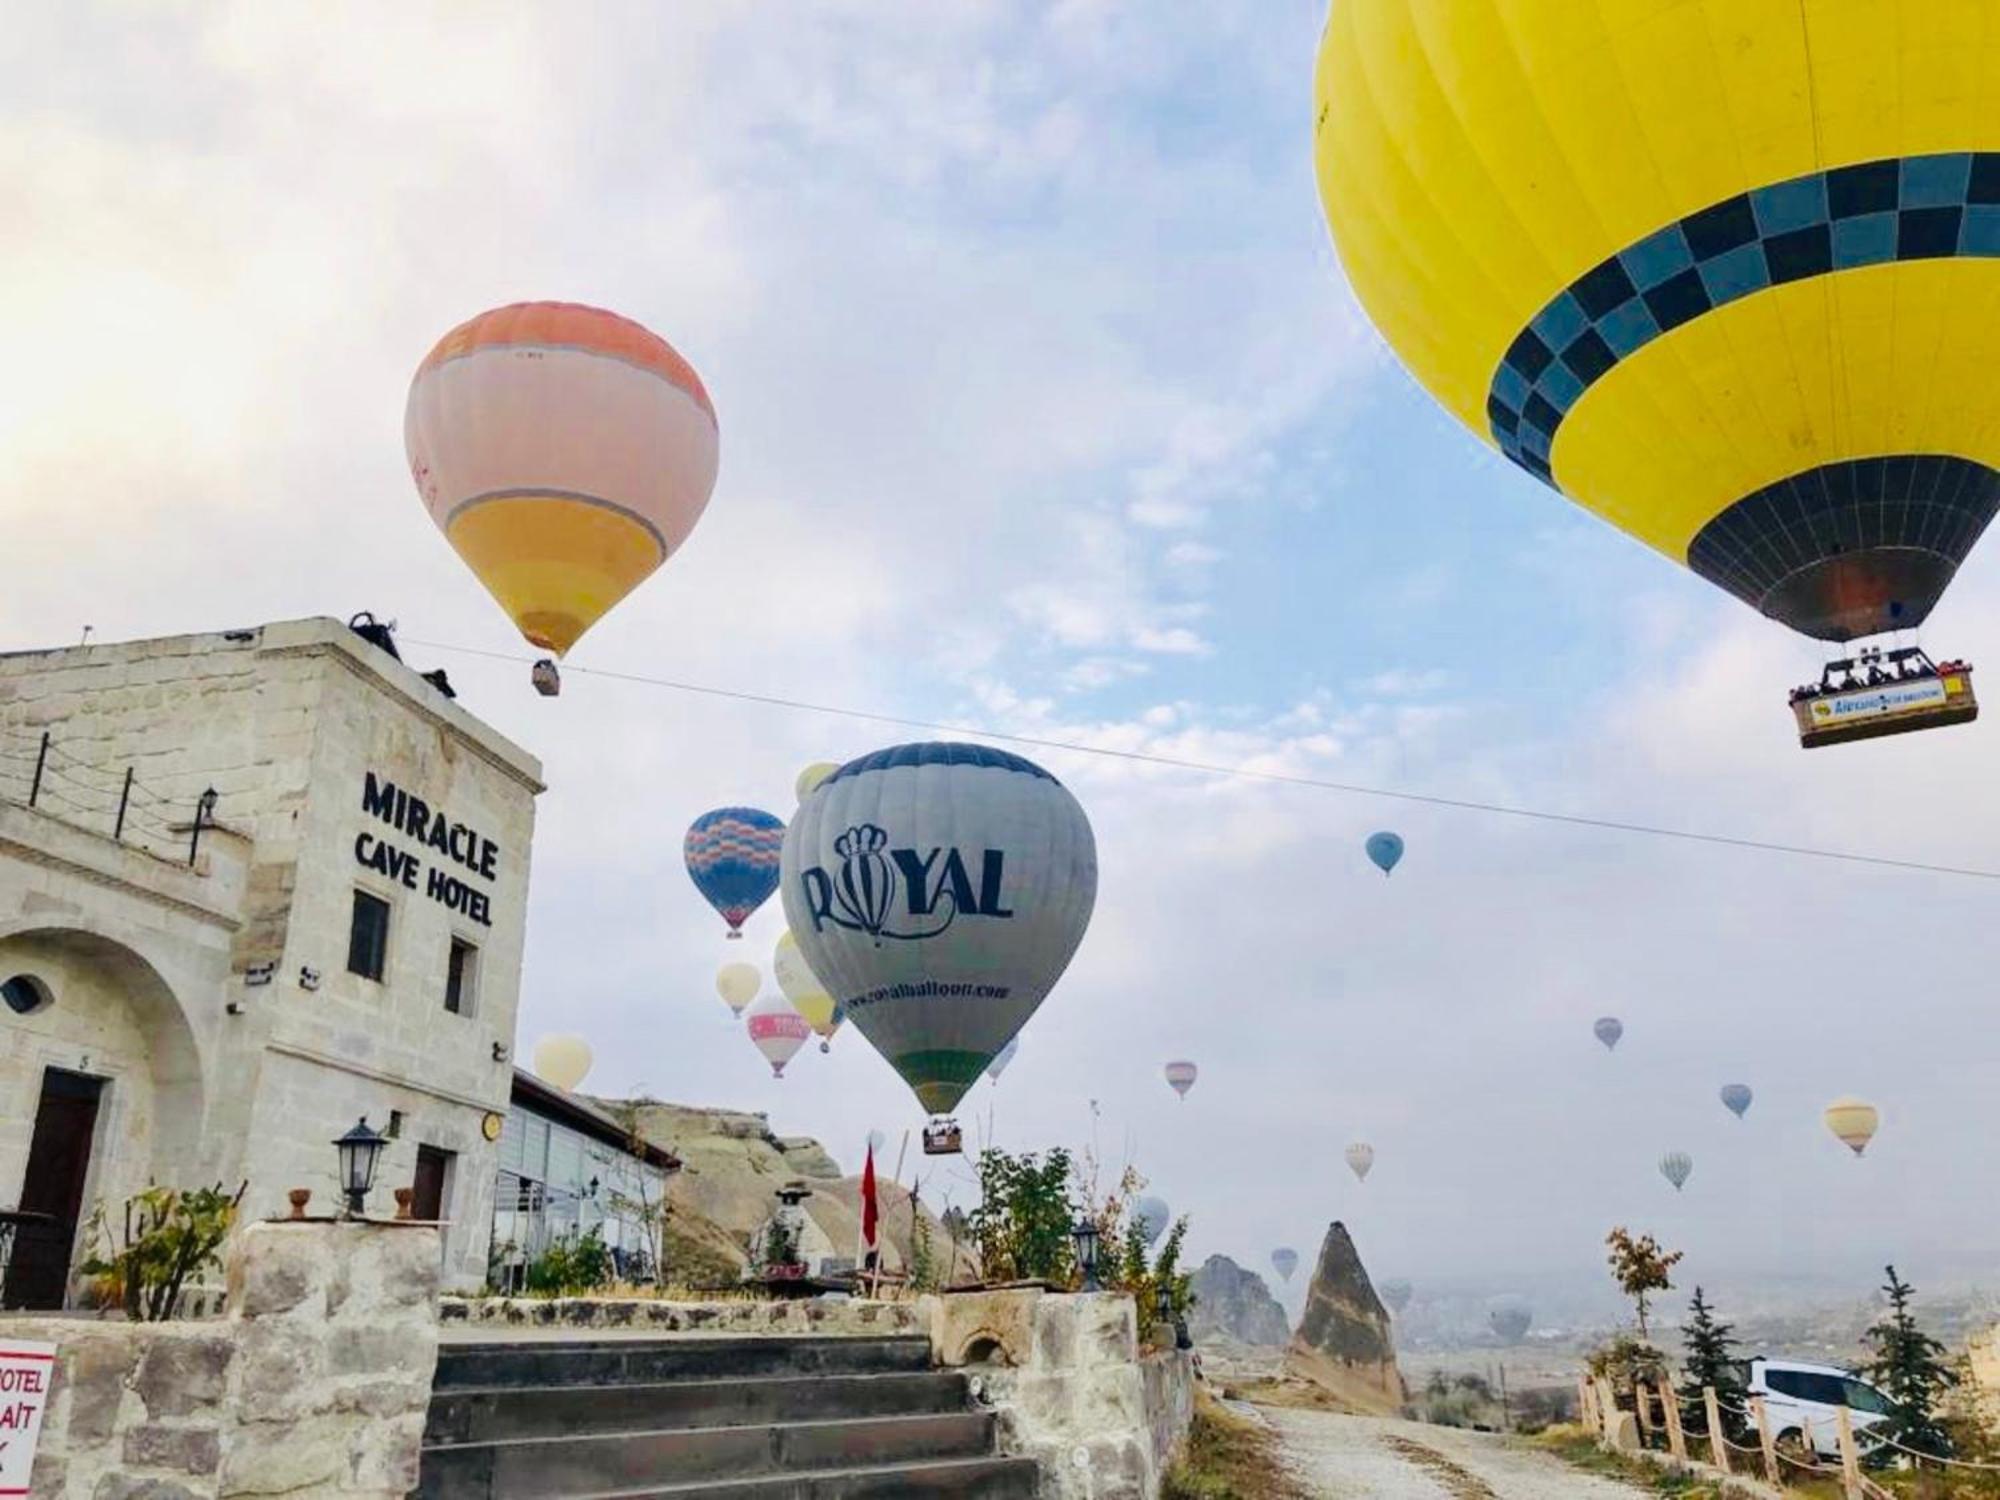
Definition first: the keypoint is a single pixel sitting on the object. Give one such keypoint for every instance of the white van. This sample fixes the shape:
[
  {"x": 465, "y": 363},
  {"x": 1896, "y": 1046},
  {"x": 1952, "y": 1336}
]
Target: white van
[{"x": 1803, "y": 1404}]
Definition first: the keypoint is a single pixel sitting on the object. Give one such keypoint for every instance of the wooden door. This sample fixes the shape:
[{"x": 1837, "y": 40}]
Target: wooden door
[
  {"x": 427, "y": 1189},
  {"x": 58, "y": 1163}
]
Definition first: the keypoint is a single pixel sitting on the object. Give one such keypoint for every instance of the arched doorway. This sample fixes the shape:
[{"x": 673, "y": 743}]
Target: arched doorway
[{"x": 103, "y": 1087}]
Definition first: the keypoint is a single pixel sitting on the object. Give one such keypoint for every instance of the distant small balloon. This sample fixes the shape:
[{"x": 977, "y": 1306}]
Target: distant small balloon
[
  {"x": 1676, "y": 1166},
  {"x": 562, "y": 1060},
  {"x": 1854, "y": 1122},
  {"x": 875, "y": 1140},
  {"x": 1736, "y": 1098},
  {"x": 1284, "y": 1262},
  {"x": 738, "y": 985},
  {"x": 1003, "y": 1057},
  {"x": 1150, "y": 1216},
  {"x": 1385, "y": 850},
  {"x": 1361, "y": 1159},
  {"x": 812, "y": 776},
  {"x": 1396, "y": 1296},
  {"x": 1609, "y": 1029},
  {"x": 1180, "y": 1076}
]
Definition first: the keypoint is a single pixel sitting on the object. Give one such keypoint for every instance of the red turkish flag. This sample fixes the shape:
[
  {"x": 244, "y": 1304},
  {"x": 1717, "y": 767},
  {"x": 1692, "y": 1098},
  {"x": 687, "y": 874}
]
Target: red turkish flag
[{"x": 869, "y": 1212}]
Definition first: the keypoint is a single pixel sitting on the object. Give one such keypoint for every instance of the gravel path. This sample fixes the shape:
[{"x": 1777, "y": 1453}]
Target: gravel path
[{"x": 1347, "y": 1458}]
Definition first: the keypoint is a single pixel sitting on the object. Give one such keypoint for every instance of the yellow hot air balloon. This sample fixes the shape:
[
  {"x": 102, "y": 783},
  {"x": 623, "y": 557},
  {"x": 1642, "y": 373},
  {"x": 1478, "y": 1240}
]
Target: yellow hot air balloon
[
  {"x": 1724, "y": 274},
  {"x": 813, "y": 775},
  {"x": 808, "y": 996},
  {"x": 738, "y": 985},
  {"x": 562, "y": 1060},
  {"x": 1854, "y": 1122},
  {"x": 566, "y": 452}
]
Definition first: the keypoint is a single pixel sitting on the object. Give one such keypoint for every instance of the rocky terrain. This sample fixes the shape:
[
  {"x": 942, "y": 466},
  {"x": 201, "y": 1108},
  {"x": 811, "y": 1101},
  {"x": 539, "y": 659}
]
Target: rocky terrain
[
  {"x": 733, "y": 1163},
  {"x": 1235, "y": 1304},
  {"x": 1344, "y": 1344}
]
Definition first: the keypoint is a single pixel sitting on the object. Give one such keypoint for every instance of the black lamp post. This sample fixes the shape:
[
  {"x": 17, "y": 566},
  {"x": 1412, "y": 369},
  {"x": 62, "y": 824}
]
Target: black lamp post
[
  {"x": 360, "y": 1149},
  {"x": 1084, "y": 1233}
]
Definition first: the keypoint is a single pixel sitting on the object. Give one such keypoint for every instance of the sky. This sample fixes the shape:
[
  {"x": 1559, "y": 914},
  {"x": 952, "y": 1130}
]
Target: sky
[{"x": 1046, "y": 409}]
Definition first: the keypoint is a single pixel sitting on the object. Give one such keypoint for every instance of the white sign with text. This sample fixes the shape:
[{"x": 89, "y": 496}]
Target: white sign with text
[{"x": 26, "y": 1373}]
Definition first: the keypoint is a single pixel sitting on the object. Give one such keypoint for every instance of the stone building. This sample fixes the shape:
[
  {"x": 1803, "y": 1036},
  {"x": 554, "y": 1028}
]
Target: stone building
[{"x": 254, "y": 886}]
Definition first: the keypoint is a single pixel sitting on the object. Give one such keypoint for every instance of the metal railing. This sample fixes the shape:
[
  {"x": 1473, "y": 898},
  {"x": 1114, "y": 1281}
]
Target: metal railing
[{"x": 38, "y": 772}]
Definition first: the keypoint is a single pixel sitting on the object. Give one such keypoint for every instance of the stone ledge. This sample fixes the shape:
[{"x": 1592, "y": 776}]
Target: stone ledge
[{"x": 488, "y": 1317}]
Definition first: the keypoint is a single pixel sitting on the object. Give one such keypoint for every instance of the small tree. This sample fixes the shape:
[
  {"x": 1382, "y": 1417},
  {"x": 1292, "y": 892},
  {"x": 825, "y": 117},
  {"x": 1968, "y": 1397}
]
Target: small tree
[
  {"x": 169, "y": 1236},
  {"x": 1711, "y": 1361},
  {"x": 1023, "y": 1220},
  {"x": 1910, "y": 1369},
  {"x": 1640, "y": 1266}
]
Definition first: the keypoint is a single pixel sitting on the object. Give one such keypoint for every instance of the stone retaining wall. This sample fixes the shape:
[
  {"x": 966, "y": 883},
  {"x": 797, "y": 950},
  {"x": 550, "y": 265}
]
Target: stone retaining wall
[
  {"x": 1073, "y": 1388},
  {"x": 822, "y": 1318},
  {"x": 316, "y": 1383}
]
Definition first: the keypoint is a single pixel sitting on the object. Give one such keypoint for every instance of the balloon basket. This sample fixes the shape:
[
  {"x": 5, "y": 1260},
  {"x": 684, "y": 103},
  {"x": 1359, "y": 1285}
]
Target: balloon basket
[
  {"x": 547, "y": 680},
  {"x": 943, "y": 1138},
  {"x": 1877, "y": 692}
]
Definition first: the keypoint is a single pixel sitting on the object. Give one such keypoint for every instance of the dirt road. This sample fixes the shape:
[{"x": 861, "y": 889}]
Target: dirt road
[{"x": 1348, "y": 1458}]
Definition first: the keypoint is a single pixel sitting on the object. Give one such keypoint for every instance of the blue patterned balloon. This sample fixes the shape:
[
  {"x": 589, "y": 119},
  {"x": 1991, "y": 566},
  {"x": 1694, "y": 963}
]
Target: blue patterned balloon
[
  {"x": 732, "y": 857},
  {"x": 1385, "y": 850},
  {"x": 1736, "y": 1098}
]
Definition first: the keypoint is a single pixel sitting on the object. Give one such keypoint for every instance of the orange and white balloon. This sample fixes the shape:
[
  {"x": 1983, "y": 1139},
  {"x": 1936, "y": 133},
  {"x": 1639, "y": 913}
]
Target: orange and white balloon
[{"x": 565, "y": 452}]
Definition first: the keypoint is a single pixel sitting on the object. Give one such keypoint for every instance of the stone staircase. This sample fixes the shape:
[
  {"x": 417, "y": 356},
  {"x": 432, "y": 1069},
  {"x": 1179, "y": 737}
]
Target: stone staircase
[{"x": 709, "y": 1419}]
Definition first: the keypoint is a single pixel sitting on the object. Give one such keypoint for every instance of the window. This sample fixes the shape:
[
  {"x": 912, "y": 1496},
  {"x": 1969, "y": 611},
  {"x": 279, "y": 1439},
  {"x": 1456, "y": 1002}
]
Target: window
[
  {"x": 368, "y": 936},
  {"x": 1864, "y": 1397},
  {"x": 25, "y": 995},
  {"x": 1785, "y": 1382},
  {"x": 461, "y": 979}
]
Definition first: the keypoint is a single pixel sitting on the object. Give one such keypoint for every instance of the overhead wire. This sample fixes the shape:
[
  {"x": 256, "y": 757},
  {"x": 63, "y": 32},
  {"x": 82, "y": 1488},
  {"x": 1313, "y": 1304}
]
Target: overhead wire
[{"x": 1246, "y": 773}]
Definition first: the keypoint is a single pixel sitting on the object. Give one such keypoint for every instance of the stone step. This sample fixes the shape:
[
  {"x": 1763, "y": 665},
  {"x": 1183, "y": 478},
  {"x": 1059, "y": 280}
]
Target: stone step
[
  {"x": 542, "y": 1468},
  {"x": 954, "y": 1479},
  {"x": 479, "y": 1416},
  {"x": 639, "y": 1361}
]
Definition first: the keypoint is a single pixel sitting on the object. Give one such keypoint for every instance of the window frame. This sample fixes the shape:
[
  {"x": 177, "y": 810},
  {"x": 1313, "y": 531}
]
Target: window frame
[
  {"x": 461, "y": 982},
  {"x": 363, "y": 894}
]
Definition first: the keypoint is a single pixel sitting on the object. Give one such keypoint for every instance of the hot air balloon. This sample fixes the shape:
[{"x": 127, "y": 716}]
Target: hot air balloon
[
  {"x": 1385, "y": 850},
  {"x": 1511, "y": 1321},
  {"x": 1724, "y": 281},
  {"x": 738, "y": 985},
  {"x": 1285, "y": 1261},
  {"x": 1180, "y": 1076},
  {"x": 1150, "y": 1217},
  {"x": 562, "y": 1060},
  {"x": 1396, "y": 1297},
  {"x": 1676, "y": 1166},
  {"x": 1003, "y": 1057},
  {"x": 1736, "y": 1098},
  {"x": 732, "y": 857},
  {"x": 812, "y": 776},
  {"x": 1853, "y": 1121},
  {"x": 939, "y": 891},
  {"x": 777, "y": 1030},
  {"x": 1607, "y": 1030},
  {"x": 808, "y": 996},
  {"x": 565, "y": 452},
  {"x": 1360, "y": 1159}
]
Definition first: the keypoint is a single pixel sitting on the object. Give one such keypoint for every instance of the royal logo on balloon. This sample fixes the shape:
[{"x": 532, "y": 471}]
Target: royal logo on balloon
[{"x": 901, "y": 894}]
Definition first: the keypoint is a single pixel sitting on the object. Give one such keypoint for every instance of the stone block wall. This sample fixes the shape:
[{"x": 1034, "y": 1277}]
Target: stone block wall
[
  {"x": 1073, "y": 1388},
  {"x": 316, "y": 1383}
]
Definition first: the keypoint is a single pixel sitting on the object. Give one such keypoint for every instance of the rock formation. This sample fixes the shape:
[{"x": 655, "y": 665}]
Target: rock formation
[
  {"x": 1344, "y": 1344},
  {"x": 732, "y": 1166},
  {"x": 1232, "y": 1303}
]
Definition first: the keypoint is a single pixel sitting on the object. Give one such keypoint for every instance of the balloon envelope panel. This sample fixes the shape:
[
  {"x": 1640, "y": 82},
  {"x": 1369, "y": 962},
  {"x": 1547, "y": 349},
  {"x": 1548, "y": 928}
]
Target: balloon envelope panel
[
  {"x": 939, "y": 891},
  {"x": 1725, "y": 275},
  {"x": 562, "y": 1060}
]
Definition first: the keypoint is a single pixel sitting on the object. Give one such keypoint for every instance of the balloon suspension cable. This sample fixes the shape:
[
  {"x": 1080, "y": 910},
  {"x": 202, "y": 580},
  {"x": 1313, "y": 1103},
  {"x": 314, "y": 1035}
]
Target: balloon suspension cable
[{"x": 1247, "y": 773}]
